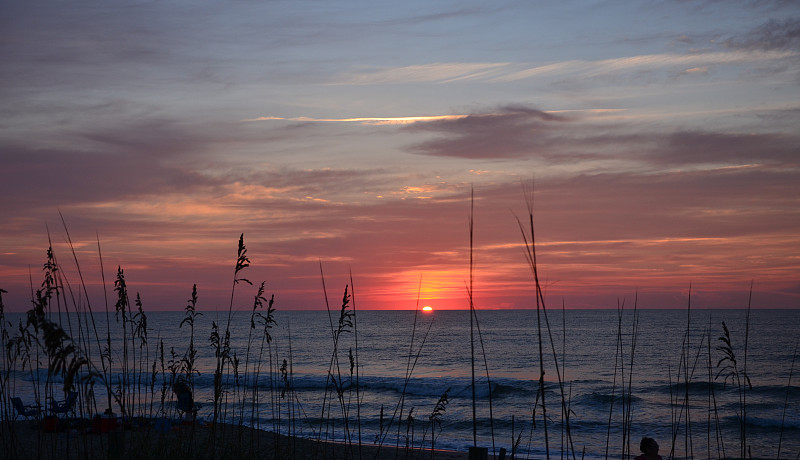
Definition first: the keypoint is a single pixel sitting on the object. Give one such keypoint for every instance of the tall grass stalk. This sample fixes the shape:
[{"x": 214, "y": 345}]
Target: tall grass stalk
[
  {"x": 436, "y": 418},
  {"x": 357, "y": 363},
  {"x": 140, "y": 332},
  {"x": 728, "y": 367},
  {"x": 408, "y": 361},
  {"x": 49, "y": 288},
  {"x": 690, "y": 377},
  {"x": 617, "y": 356},
  {"x": 626, "y": 393},
  {"x": 564, "y": 411},
  {"x": 628, "y": 403},
  {"x": 7, "y": 434},
  {"x": 289, "y": 389},
  {"x": 488, "y": 379},
  {"x": 221, "y": 343},
  {"x": 712, "y": 402},
  {"x": 121, "y": 307},
  {"x": 80, "y": 367},
  {"x": 65, "y": 356},
  {"x": 344, "y": 325},
  {"x": 687, "y": 370},
  {"x": 323, "y": 420},
  {"x": 104, "y": 361},
  {"x": 105, "y": 355},
  {"x": 190, "y": 356},
  {"x": 785, "y": 402},
  {"x": 562, "y": 392},
  {"x": 327, "y": 421},
  {"x": 472, "y": 317},
  {"x": 58, "y": 331},
  {"x": 530, "y": 254},
  {"x": 385, "y": 427},
  {"x": 258, "y": 303},
  {"x": 744, "y": 368},
  {"x": 266, "y": 322}
]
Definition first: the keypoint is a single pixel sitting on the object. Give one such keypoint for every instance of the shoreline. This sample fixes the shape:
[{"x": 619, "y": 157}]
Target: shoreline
[{"x": 28, "y": 440}]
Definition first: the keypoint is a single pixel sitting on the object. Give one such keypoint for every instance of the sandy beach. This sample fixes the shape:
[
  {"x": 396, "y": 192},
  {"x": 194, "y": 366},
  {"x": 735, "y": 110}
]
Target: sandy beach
[{"x": 27, "y": 440}]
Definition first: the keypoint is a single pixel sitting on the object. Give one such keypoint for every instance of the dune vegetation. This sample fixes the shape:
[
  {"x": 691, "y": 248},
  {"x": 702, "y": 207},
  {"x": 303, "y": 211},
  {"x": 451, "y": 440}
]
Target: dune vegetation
[{"x": 129, "y": 385}]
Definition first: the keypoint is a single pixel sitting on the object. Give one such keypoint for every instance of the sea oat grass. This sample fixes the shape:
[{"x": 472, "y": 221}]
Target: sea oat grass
[{"x": 58, "y": 335}]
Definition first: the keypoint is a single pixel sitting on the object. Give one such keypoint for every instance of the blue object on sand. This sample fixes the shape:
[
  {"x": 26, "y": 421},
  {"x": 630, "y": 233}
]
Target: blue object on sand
[
  {"x": 66, "y": 406},
  {"x": 27, "y": 411},
  {"x": 162, "y": 425}
]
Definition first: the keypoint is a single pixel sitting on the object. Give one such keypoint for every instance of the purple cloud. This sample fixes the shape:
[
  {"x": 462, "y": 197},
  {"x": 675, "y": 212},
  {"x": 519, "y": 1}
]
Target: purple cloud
[
  {"x": 695, "y": 147},
  {"x": 510, "y": 132},
  {"x": 772, "y": 35},
  {"x": 515, "y": 132}
]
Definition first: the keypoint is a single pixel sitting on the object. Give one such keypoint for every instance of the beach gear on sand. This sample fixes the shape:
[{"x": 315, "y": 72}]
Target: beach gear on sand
[
  {"x": 65, "y": 406},
  {"x": 27, "y": 411},
  {"x": 185, "y": 403}
]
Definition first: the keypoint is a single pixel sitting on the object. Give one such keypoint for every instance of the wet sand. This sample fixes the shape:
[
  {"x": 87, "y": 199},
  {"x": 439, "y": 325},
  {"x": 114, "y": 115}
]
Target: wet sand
[{"x": 27, "y": 440}]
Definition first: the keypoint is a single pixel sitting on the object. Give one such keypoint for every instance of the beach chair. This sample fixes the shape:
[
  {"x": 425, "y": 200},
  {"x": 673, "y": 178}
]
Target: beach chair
[
  {"x": 185, "y": 403},
  {"x": 66, "y": 406},
  {"x": 27, "y": 411}
]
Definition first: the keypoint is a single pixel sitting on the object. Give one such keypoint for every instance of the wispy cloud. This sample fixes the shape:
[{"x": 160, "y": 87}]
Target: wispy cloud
[
  {"x": 525, "y": 132},
  {"x": 440, "y": 72},
  {"x": 676, "y": 62},
  {"x": 772, "y": 35},
  {"x": 509, "y": 132},
  {"x": 379, "y": 121},
  {"x": 504, "y": 72},
  {"x": 115, "y": 117},
  {"x": 697, "y": 147},
  {"x": 366, "y": 120}
]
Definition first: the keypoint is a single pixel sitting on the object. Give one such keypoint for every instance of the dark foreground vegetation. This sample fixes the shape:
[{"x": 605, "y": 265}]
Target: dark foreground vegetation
[{"x": 94, "y": 397}]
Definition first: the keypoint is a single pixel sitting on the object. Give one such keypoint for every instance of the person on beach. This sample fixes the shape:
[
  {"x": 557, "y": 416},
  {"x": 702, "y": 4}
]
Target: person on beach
[{"x": 649, "y": 448}]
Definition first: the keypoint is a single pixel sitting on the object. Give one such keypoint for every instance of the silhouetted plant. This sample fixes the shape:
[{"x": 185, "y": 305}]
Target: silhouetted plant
[
  {"x": 345, "y": 325},
  {"x": 266, "y": 322},
  {"x": 786, "y": 401},
  {"x": 728, "y": 368},
  {"x": 65, "y": 357},
  {"x": 436, "y": 417},
  {"x": 139, "y": 323},
  {"x": 66, "y": 352},
  {"x": 190, "y": 357},
  {"x": 257, "y": 303}
]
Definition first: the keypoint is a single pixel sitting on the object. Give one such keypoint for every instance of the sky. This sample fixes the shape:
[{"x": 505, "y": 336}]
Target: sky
[{"x": 657, "y": 142}]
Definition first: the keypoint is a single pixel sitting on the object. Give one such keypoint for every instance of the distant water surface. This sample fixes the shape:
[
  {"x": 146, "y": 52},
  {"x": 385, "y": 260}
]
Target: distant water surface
[{"x": 594, "y": 354}]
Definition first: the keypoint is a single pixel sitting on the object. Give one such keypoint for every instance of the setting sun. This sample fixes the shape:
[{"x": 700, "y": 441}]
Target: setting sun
[{"x": 427, "y": 308}]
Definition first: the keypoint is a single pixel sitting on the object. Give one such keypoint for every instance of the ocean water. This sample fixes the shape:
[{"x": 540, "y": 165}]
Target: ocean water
[{"x": 601, "y": 354}]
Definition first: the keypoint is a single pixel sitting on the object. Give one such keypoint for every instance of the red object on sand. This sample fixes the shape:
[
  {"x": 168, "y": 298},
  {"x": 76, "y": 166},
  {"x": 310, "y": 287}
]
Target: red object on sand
[
  {"x": 108, "y": 424},
  {"x": 50, "y": 424},
  {"x": 104, "y": 424}
]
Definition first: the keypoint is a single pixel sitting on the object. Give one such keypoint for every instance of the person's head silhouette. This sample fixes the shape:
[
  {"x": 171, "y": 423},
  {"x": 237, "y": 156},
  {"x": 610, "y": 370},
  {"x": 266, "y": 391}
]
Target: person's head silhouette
[{"x": 649, "y": 448}]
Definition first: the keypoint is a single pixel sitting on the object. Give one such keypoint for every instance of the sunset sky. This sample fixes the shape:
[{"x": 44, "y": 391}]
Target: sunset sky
[{"x": 662, "y": 139}]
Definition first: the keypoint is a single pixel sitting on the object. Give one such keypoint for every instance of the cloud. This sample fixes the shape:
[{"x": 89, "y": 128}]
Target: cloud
[
  {"x": 519, "y": 132},
  {"x": 703, "y": 69},
  {"x": 57, "y": 178},
  {"x": 365, "y": 120},
  {"x": 772, "y": 35},
  {"x": 600, "y": 233},
  {"x": 646, "y": 62},
  {"x": 440, "y": 72},
  {"x": 697, "y": 147},
  {"x": 635, "y": 69},
  {"x": 509, "y": 132},
  {"x": 110, "y": 162}
]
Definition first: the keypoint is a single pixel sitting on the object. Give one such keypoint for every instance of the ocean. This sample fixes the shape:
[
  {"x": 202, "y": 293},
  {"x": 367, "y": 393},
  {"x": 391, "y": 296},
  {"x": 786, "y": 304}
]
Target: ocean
[{"x": 624, "y": 375}]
